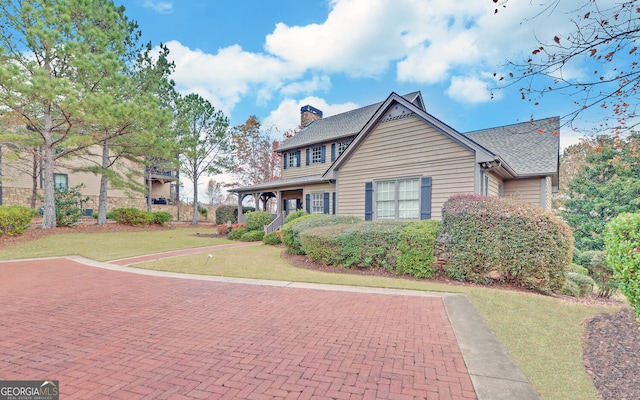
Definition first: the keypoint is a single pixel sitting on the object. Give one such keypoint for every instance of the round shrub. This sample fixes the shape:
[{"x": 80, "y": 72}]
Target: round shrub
[
  {"x": 578, "y": 269},
  {"x": 416, "y": 245},
  {"x": 295, "y": 215},
  {"x": 14, "y": 220},
  {"x": 161, "y": 217},
  {"x": 291, "y": 230},
  {"x": 602, "y": 274},
  {"x": 257, "y": 220},
  {"x": 252, "y": 236},
  {"x": 271, "y": 238},
  {"x": 570, "y": 288},
  {"x": 622, "y": 242},
  {"x": 583, "y": 282},
  {"x": 489, "y": 238},
  {"x": 322, "y": 244},
  {"x": 236, "y": 233},
  {"x": 132, "y": 216}
]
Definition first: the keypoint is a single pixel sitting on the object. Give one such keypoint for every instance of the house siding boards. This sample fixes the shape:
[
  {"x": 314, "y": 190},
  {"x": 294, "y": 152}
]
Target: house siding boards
[
  {"x": 406, "y": 147},
  {"x": 321, "y": 188},
  {"x": 304, "y": 169},
  {"x": 527, "y": 190}
]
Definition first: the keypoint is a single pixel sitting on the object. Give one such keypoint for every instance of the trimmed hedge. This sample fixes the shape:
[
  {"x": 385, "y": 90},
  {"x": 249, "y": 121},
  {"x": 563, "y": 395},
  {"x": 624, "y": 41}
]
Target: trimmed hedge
[
  {"x": 291, "y": 230},
  {"x": 257, "y": 220},
  {"x": 252, "y": 236},
  {"x": 132, "y": 216},
  {"x": 271, "y": 238},
  {"x": 578, "y": 269},
  {"x": 161, "y": 217},
  {"x": 416, "y": 245},
  {"x": 14, "y": 220},
  {"x": 495, "y": 239},
  {"x": 371, "y": 245},
  {"x": 622, "y": 242},
  {"x": 322, "y": 244},
  {"x": 295, "y": 215}
]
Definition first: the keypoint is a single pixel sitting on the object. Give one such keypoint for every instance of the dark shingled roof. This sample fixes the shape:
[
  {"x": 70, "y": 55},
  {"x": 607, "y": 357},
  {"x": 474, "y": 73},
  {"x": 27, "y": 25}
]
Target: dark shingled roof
[
  {"x": 302, "y": 180},
  {"x": 530, "y": 148},
  {"x": 337, "y": 126}
]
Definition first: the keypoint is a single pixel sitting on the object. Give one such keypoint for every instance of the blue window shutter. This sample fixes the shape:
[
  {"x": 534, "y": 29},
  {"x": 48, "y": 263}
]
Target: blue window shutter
[
  {"x": 333, "y": 152},
  {"x": 326, "y": 203},
  {"x": 298, "y": 158},
  {"x": 308, "y": 158},
  {"x": 425, "y": 198},
  {"x": 323, "y": 154},
  {"x": 308, "y": 203},
  {"x": 368, "y": 201},
  {"x": 285, "y": 158},
  {"x": 334, "y": 202}
]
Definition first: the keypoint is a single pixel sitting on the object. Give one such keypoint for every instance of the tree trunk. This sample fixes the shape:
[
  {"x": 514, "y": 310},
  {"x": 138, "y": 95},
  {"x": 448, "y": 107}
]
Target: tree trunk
[
  {"x": 49, "y": 214},
  {"x": 34, "y": 179},
  {"x": 104, "y": 184},
  {"x": 195, "y": 200},
  {"x": 149, "y": 187}
]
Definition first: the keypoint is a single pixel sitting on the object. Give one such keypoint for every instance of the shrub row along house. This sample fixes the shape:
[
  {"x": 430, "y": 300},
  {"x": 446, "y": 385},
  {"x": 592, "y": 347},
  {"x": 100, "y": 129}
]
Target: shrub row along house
[{"x": 394, "y": 160}]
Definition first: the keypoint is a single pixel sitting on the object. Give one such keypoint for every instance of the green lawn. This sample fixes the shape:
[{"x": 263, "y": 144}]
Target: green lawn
[{"x": 542, "y": 334}]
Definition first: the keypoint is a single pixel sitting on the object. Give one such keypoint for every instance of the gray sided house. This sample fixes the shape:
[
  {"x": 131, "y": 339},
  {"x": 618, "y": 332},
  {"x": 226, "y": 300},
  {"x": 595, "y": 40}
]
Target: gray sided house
[{"x": 393, "y": 160}]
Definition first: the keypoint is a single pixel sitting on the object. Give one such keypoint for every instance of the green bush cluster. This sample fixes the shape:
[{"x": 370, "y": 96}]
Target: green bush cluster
[
  {"x": 489, "y": 238},
  {"x": 622, "y": 242},
  {"x": 295, "y": 215},
  {"x": 322, "y": 244},
  {"x": 236, "y": 233},
  {"x": 252, "y": 236},
  {"x": 578, "y": 269},
  {"x": 291, "y": 230},
  {"x": 68, "y": 205},
  {"x": 416, "y": 248},
  {"x": 578, "y": 285},
  {"x": 371, "y": 245},
  {"x": 257, "y": 220},
  {"x": 135, "y": 217},
  {"x": 271, "y": 238},
  {"x": 14, "y": 220}
]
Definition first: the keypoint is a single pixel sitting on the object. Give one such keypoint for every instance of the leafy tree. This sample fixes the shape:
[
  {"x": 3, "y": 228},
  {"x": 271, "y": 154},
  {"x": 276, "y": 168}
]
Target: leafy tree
[
  {"x": 607, "y": 186},
  {"x": 55, "y": 55},
  {"x": 203, "y": 141},
  {"x": 603, "y": 40},
  {"x": 257, "y": 161}
]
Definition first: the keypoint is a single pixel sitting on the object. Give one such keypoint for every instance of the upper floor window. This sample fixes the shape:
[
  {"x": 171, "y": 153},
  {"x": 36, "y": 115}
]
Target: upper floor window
[
  {"x": 342, "y": 146},
  {"x": 316, "y": 155},
  {"x": 293, "y": 159}
]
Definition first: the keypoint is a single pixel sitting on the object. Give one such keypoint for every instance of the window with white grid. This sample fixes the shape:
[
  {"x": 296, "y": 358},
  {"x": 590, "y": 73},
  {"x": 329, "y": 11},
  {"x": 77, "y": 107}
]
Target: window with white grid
[
  {"x": 293, "y": 159},
  {"x": 316, "y": 155},
  {"x": 317, "y": 203},
  {"x": 398, "y": 199},
  {"x": 342, "y": 146}
]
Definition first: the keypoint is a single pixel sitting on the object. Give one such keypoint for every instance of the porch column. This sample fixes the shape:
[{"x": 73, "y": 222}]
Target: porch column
[
  {"x": 240, "y": 214},
  {"x": 279, "y": 202},
  {"x": 256, "y": 198}
]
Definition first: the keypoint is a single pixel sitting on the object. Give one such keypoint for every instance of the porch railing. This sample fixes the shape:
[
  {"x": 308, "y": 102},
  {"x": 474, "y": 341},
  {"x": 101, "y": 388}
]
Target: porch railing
[{"x": 276, "y": 224}]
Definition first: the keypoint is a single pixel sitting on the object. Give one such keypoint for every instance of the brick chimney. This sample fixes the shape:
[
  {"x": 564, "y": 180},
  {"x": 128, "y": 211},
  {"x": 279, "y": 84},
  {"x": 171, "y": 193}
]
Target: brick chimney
[{"x": 309, "y": 114}]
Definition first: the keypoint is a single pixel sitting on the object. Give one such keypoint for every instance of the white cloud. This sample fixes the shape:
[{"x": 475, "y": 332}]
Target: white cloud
[
  {"x": 163, "y": 7},
  {"x": 470, "y": 90},
  {"x": 287, "y": 115}
]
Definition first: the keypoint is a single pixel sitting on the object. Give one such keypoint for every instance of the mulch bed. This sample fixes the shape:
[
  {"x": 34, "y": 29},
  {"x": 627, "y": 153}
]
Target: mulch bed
[
  {"x": 611, "y": 346},
  {"x": 612, "y": 355}
]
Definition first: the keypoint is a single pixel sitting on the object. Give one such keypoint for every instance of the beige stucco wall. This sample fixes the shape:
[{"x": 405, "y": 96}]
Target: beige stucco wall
[{"x": 405, "y": 148}]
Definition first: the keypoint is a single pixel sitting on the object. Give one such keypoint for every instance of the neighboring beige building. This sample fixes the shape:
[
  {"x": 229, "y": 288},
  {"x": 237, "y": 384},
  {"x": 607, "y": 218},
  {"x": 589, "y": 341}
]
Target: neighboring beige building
[
  {"x": 16, "y": 181},
  {"x": 393, "y": 160}
]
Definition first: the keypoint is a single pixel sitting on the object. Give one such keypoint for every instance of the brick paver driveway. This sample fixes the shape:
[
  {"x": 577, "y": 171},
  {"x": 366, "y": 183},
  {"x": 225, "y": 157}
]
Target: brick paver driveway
[{"x": 109, "y": 334}]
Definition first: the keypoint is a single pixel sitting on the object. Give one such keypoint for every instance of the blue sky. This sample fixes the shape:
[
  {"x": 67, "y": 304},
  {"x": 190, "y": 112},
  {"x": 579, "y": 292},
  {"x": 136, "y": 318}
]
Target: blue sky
[{"x": 270, "y": 57}]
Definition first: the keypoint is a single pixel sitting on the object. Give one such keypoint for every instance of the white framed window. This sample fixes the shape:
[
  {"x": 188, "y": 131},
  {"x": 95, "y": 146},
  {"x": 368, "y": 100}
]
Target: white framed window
[
  {"x": 316, "y": 155},
  {"x": 317, "y": 203},
  {"x": 292, "y": 157},
  {"x": 398, "y": 199},
  {"x": 342, "y": 146}
]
